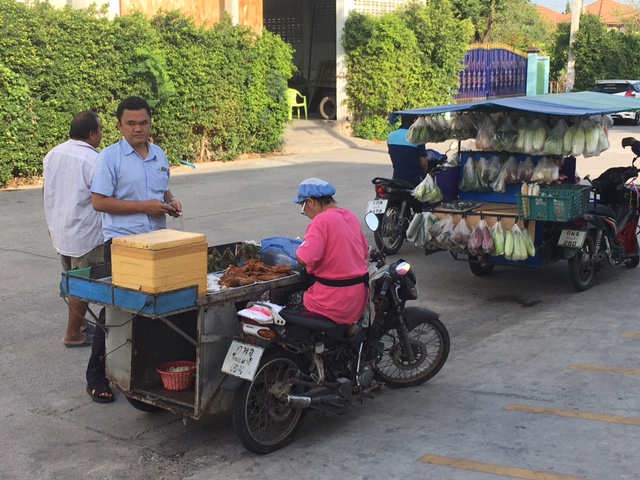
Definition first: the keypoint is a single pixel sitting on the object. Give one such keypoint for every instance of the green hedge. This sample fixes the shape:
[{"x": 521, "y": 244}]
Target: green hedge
[
  {"x": 216, "y": 93},
  {"x": 406, "y": 59}
]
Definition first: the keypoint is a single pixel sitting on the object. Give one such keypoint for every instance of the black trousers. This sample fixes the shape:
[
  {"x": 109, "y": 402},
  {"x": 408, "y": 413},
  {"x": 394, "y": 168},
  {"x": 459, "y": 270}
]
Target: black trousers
[{"x": 96, "y": 374}]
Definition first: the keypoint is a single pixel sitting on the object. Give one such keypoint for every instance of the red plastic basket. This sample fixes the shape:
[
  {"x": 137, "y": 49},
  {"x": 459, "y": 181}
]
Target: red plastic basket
[{"x": 177, "y": 380}]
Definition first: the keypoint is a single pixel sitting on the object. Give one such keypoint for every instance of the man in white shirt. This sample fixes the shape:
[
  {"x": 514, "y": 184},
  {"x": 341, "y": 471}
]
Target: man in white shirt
[{"x": 74, "y": 226}]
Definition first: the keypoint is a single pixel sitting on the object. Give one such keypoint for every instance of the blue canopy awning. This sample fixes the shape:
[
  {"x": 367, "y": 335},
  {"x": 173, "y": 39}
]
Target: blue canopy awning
[{"x": 582, "y": 104}]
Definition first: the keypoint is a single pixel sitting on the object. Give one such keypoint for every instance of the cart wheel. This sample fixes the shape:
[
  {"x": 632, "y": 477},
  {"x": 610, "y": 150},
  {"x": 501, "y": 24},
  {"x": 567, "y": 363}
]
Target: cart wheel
[
  {"x": 142, "y": 406},
  {"x": 263, "y": 423},
  {"x": 582, "y": 269},
  {"x": 480, "y": 268}
]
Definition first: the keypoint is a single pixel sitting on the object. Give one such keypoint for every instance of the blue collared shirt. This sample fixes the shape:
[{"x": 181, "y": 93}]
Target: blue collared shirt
[{"x": 121, "y": 173}]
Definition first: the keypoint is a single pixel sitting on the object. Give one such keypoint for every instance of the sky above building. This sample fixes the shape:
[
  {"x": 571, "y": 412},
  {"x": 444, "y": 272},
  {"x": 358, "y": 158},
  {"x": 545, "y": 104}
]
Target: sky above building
[{"x": 557, "y": 5}]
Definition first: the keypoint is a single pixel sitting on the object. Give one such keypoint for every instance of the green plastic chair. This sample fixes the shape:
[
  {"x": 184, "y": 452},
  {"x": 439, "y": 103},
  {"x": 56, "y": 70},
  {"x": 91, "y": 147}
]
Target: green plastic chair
[{"x": 292, "y": 98}]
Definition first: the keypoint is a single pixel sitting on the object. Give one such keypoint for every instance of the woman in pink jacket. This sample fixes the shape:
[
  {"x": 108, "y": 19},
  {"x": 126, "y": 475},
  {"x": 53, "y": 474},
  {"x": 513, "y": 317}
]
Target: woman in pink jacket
[{"x": 335, "y": 253}]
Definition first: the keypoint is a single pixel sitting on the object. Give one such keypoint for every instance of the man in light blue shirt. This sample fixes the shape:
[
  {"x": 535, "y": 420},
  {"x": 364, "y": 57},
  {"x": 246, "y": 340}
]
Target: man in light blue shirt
[{"x": 131, "y": 189}]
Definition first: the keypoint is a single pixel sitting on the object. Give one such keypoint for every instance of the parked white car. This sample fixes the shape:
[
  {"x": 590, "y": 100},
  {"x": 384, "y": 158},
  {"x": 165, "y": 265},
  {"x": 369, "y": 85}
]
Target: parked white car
[{"x": 628, "y": 88}]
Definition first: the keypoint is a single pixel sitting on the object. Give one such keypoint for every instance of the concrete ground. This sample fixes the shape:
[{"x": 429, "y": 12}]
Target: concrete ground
[{"x": 541, "y": 382}]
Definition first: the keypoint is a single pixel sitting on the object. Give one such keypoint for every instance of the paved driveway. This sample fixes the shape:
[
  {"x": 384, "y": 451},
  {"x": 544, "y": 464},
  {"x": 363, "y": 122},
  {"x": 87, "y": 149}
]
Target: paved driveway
[{"x": 541, "y": 382}]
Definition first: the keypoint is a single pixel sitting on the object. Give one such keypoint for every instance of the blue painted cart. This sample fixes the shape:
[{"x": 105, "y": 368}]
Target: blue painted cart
[
  {"x": 145, "y": 330},
  {"x": 548, "y": 218}
]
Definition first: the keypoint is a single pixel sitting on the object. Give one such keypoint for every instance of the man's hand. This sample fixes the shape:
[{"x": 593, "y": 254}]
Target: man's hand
[
  {"x": 156, "y": 208},
  {"x": 177, "y": 208},
  {"x": 628, "y": 142}
]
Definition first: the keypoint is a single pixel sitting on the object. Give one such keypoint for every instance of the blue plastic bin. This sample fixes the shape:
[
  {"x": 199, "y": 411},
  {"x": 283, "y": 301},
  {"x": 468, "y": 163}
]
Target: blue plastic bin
[{"x": 280, "y": 251}]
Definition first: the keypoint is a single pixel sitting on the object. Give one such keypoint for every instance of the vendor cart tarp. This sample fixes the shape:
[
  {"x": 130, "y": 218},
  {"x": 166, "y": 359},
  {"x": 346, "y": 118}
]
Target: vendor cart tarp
[{"x": 564, "y": 104}]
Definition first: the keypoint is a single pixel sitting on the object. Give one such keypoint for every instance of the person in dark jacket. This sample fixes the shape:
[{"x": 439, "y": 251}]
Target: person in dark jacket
[{"x": 409, "y": 160}]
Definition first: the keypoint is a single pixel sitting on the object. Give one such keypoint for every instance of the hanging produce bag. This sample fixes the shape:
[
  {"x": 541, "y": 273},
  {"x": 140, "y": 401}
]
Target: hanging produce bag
[{"x": 427, "y": 191}]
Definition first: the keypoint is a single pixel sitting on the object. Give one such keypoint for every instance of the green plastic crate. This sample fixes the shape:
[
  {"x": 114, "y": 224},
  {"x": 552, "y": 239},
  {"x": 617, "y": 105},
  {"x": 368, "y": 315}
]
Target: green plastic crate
[{"x": 554, "y": 204}]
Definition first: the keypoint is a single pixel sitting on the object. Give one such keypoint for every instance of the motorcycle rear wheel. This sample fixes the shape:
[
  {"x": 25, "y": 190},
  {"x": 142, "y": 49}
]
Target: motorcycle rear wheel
[
  {"x": 261, "y": 421},
  {"x": 387, "y": 239},
  {"x": 430, "y": 344},
  {"x": 582, "y": 269}
]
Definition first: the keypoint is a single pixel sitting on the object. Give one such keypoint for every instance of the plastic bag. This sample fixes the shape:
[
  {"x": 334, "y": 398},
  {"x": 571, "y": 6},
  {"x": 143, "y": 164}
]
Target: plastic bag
[
  {"x": 463, "y": 127},
  {"x": 521, "y": 127},
  {"x": 488, "y": 247},
  {"x": 498, "y": 185},
  {"x": 525, "y": 170},
  {"x": 445, "y": 227},
  {"x": 427, "y": 191},
  {"x": 539, "y": 131},
  {"x": 594, "y": 134},
  {"x": 418, "y": 132},
  {"x": 486, "y": 133},
  {"x": 482, "y": 174},
  {"x": 511, "y": 170},
  {"x": 459, "y": 236},
  {"x": 435, "y": 230},
  {"x": 505, "y": 137},
  {"x": 469, "y": 180},
  {"x": 494, "y": 169},
  {"x": 428, "y": 219},
  {"x": 415, "y": 231},
  {"x": 546, "y": 171},
  {"x": 475, "y": 240},
  {"x": 554, "y": 143},
  {"x": 497, "y": 234}
]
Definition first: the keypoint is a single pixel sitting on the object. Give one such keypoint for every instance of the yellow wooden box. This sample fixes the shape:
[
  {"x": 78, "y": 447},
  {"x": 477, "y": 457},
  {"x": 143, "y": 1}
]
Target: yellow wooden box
[{"x": 160, "y": 261}]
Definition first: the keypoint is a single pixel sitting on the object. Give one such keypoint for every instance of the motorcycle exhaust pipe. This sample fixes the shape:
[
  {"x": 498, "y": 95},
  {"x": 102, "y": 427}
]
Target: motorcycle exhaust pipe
[{"x": 298, "y": 401}]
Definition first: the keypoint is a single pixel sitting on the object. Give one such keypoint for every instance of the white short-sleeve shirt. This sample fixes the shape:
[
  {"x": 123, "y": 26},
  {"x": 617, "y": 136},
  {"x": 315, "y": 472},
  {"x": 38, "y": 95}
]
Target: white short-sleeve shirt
[{"x": 75, "y": 227}]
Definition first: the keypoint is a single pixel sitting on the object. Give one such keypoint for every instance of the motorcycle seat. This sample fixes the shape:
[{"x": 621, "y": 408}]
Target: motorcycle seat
[
  {"x": 313, "y": 321},
  {"x": 394, "y": 183},
  {"x": 604, "y": 210}
]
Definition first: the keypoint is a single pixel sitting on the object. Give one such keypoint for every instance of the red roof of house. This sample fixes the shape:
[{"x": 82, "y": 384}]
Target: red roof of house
[
  {"x": 612, "y": 13},
  {"x": 609, "y": 11},
  {"x": 555, "y": 17}
]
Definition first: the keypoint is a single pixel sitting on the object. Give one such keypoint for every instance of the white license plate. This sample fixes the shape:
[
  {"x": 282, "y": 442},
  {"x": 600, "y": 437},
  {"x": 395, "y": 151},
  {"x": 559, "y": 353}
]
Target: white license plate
[
  {"x": 377, "y": 206},
  {"x": 242, "y": 360},
  {"x": 572, "y": 238}
]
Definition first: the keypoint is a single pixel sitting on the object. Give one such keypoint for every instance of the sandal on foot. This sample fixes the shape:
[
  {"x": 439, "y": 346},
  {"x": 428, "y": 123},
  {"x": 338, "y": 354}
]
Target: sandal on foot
[
  {"x": 89, "y": 328},
  {"x": 87, "y": 342},
  {"x": 101, "y": 394}
]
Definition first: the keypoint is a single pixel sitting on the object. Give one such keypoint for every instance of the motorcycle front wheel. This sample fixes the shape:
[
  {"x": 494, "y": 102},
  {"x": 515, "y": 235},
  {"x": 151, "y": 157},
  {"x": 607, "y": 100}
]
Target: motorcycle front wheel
[
  {"x": 262, "y": 422},
  {"x": 389, "y": 236},
  {"x": 430, "y": 345},
  {"x": 582, "y": 268}
]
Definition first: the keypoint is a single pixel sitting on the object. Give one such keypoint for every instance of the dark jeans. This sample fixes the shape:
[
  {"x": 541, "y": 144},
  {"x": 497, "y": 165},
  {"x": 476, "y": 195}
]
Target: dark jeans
[{"x": 96, "y": 375}]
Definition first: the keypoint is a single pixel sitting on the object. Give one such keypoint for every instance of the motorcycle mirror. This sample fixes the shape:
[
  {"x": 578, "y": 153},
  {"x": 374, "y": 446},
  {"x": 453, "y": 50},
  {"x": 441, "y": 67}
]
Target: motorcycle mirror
[
  {"x": 453, "y": 146},
  {"x": 403, "y": 268},
  {"x": 371, "y": 219}
]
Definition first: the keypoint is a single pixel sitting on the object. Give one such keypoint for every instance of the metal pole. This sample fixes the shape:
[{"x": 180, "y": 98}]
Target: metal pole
[{"x": 571, "y": 62}]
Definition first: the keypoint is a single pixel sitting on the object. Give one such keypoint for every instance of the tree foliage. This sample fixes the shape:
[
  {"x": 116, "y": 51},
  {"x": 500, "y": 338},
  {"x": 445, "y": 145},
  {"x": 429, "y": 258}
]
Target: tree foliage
[
  {"x": 599, "y": 53},
  {"x": 216, "y": 93},
  {"x": 417, "y": 52},
  {"x": 514, "y": 22}
]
